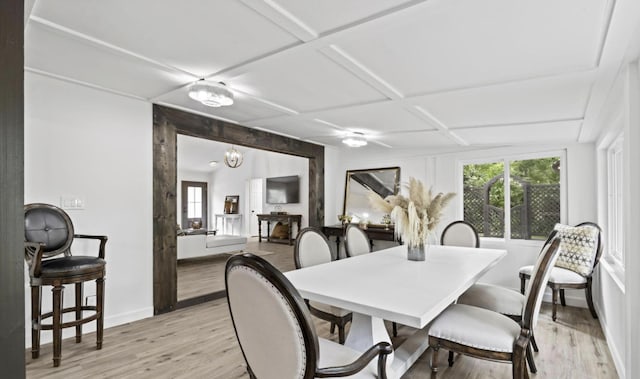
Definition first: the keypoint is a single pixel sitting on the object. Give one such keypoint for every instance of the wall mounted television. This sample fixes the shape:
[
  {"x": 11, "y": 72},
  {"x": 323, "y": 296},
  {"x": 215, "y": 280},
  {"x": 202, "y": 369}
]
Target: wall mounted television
[{"x": 283, "y": 190}]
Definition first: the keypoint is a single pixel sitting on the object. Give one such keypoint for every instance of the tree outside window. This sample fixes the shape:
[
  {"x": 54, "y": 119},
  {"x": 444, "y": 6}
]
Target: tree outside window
[{"x": 531, "y": 200}]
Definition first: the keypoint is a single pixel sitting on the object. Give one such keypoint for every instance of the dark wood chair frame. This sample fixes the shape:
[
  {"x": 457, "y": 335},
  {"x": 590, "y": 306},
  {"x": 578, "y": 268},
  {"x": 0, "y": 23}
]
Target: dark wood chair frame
[
  {"x": 339, "y": 321},
  {"x": 518, "y": 356},
  {"x": 291, "y": 295},
  {"x": 516, "y": 318},
  {"x": 34, "y": 255},
  {"x": 444, "y": 232},
  {"x": 558, "y": 288}
]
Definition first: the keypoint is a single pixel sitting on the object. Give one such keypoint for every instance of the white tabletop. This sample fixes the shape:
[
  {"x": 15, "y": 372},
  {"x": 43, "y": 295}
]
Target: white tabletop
[{"x": 385, "y": 284}]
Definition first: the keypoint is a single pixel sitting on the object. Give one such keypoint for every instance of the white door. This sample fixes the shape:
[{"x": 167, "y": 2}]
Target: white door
[{"x": 255, "y": 204}]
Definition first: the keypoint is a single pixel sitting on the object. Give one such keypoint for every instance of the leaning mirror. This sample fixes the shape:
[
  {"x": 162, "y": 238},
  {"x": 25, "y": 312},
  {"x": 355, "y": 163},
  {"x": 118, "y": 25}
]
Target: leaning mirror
[{"x": 383, "y": 181}]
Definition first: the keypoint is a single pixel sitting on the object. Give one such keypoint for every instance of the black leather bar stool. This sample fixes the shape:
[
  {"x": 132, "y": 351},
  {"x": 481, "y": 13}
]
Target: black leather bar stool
[{"x": 48, "y": 237}]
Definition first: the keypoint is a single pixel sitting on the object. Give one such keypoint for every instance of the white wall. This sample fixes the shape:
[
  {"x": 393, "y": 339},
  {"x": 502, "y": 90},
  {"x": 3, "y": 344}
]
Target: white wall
[
  {"x": 260, "y": 164},
  {"x": 609, "y": 295},
  {"x": 442, "y": 172},
  {"x": 97, "y": 146},
  {"x": 580, "y": 203},
  {"x": 617, "y": 288}
]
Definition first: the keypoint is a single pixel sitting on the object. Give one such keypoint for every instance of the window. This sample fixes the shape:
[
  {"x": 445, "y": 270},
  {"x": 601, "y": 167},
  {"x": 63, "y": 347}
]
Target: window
[
  {"x": 527, "y": 208},
  {"x": 615, "y": 163},
  {"x": 194, "y": 205}
]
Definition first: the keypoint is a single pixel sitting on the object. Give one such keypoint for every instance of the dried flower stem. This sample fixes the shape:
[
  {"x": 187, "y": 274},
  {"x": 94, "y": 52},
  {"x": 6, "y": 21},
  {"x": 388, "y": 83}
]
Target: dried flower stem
[{"x": 416, "y": 216}]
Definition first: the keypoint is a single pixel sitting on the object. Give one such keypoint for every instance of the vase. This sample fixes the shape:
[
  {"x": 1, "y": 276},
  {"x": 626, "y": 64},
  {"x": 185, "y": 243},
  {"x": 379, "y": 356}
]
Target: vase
[{"x": 417, "y": 253}]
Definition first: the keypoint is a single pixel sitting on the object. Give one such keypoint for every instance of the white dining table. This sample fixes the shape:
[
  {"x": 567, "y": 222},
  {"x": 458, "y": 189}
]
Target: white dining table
[{"x": 385, "y": 285}]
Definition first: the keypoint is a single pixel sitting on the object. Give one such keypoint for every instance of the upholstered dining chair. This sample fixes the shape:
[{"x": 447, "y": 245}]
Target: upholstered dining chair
[
  {"x": 356, "y": 241},
  {"x": 581, "y": 248},
  {"x": 486, "y": 334},
  {"x": 505, "y": 301},
  {"x": 460, "y": 233},
  {"x": 48, "y": 236},
  {"x": 275, "y": 330},
  {"x": 313, "y": 248}
]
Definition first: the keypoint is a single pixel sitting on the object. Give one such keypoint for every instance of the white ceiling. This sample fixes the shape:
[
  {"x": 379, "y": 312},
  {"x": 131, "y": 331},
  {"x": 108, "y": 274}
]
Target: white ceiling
[{"x": 440, "y": 74}]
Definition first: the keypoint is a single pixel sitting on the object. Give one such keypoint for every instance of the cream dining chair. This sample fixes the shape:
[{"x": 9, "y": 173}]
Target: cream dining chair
[
  {"x": 313, "y": 248},
  {"x": 460, "y": 233},
  {"x": 580, "y": 253},
  {"x": 275, "y": 330},
  {"x": 356, "y": 241},
  {"x": 505, "y": 301},
  {"x": 485, "y": 334}
]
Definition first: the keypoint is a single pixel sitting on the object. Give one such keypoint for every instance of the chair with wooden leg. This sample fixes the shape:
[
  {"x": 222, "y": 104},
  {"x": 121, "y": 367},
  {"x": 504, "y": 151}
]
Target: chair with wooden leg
[
  {"x": 48, "y": 237},
  {"x": 356, "y": 242},
  {"x": 580, "y": 253},
  {"x": 276, "y": 333},
  {"x": 486, "y": 334},
  {"x": 505, "y": 301},
  {"x": 312, "y": 248}
]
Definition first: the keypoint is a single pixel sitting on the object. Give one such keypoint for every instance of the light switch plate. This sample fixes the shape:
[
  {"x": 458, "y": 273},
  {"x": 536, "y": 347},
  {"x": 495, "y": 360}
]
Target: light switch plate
[{"x": 72, "y": 202}]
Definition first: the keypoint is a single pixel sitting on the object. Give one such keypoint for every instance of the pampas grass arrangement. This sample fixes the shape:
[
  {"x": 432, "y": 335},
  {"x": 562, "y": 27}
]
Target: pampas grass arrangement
[{"x": 415, "y": 216}]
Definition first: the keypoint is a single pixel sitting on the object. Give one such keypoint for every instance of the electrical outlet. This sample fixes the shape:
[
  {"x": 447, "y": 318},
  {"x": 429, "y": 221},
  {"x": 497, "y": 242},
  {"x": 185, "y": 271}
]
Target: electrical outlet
[{"x": 71, "y": 202}]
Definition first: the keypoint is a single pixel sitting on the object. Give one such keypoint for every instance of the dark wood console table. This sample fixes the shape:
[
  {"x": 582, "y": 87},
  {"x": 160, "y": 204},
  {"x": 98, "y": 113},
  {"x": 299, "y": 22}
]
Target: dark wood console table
[
  {"x": 373, "y": 232},
  {"x": 289, "y": 219}
]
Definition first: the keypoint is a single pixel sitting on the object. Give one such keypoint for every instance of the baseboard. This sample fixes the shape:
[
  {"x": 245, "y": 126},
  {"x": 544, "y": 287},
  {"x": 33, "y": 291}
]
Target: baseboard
[
  {"x": 615, "y": 354},
  {"x": 574, "y": 298},
  {"x": 109, "y": 322}
]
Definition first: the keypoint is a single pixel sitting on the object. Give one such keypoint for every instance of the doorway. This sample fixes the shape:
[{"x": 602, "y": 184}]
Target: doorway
[
  {"x": 255, "y": 205},
  {"x": 167, "y": 124}
]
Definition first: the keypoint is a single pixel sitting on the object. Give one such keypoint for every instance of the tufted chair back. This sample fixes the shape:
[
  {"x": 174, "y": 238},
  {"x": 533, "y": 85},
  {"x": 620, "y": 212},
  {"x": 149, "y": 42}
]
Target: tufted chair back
[
  {"x": 272, "y": 323},
  {"x": 49, "y": 225},
  {"x": 312, "y": 248},
  {"x": 356, "y": 241}
]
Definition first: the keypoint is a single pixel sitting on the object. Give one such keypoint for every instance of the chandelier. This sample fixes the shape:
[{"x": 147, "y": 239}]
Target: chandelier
[
  {"x": 211, "y": 94},
  {"x": 233, "y": 158}
]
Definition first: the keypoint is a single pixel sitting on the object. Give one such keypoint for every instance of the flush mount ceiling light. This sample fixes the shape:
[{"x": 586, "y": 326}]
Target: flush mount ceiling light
[
  {"x": 211, "y": 94},
  {"x": 213, "y": 163},
  {"x": 355, "y": 140},
  {"x": 233, "y": 158}
]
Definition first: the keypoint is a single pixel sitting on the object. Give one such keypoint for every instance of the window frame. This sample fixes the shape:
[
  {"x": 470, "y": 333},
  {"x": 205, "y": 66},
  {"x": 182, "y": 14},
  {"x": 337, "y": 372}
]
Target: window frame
[
  {"x": 615, "y": 202},
  {"x": 185, "y": 220},
  {"x": 506, "y": 159}
]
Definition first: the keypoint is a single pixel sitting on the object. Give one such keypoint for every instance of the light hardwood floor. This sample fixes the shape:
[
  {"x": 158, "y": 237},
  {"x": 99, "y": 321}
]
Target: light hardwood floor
[
  {"x": 199, "y": 342},
  {"x": 201, "y": 276}
]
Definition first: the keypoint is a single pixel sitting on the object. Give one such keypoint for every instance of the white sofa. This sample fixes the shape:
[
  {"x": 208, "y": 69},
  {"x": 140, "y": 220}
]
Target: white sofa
[{"x": 201, "y": 245}]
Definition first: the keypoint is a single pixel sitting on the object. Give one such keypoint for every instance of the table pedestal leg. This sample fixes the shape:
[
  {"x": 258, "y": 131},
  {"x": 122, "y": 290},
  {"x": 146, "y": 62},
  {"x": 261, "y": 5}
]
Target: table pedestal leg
[{"x": 366, "y": 331}]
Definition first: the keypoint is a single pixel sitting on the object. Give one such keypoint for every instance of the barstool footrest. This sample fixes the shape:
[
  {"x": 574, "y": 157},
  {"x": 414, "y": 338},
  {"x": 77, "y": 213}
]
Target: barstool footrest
[{"x": 68, "y": 324}]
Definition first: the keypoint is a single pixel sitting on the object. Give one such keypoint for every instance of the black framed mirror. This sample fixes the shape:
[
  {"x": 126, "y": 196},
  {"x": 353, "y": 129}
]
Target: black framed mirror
[{"x": 383, "y": 181}]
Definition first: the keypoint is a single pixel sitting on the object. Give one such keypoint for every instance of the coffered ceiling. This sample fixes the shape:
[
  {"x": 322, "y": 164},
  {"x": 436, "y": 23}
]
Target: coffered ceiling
[{"x": 436, "y": 74}]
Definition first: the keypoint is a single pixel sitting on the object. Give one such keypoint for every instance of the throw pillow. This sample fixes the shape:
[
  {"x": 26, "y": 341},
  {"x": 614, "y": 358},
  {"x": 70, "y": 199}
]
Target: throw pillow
[{"x": 578, "y": 246}]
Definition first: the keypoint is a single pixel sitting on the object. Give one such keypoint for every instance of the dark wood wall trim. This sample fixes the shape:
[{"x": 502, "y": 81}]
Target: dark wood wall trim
[
  {"x": 167, "y": 124},
  {"x": 12, "y": 356}
]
